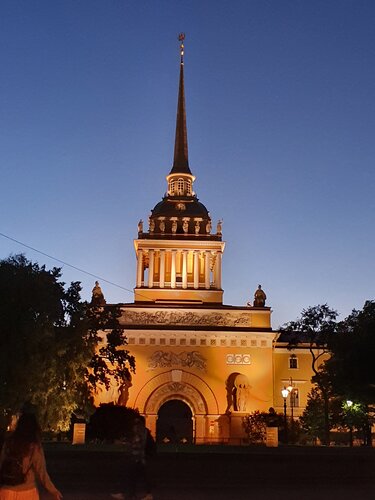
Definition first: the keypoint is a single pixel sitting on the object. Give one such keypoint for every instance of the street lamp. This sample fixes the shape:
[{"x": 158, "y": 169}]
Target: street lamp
[{"x": 285, "y": 393}]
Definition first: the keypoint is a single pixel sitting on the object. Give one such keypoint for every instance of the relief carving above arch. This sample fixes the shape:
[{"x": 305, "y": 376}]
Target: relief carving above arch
[
  {"x": 178, "y": 384},
  {"x": 176, "y": 390}
]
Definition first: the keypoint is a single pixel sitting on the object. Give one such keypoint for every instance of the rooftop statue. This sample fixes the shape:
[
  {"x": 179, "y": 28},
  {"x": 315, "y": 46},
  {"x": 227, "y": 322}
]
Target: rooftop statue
[
  {"x": 259, "y": 297},
  {"x": 97, "y": 296}
]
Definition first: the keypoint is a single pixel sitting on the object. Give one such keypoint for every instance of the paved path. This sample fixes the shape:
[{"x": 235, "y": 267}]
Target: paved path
[{"x": 259, "y": 474}]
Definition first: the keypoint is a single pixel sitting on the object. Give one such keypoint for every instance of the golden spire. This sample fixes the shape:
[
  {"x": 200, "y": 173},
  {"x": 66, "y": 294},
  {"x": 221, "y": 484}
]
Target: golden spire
[{"x": 180, "y": 161}]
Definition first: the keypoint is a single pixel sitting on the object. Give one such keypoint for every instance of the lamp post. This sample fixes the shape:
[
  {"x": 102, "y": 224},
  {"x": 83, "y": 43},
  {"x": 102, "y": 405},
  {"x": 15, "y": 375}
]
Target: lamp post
[{"x": 285, "y": 393}]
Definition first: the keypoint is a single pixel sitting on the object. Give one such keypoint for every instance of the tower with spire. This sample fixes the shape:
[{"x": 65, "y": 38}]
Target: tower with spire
[
  {"x": 179, "y": 256},
  {"x": 201, "y": 365}
]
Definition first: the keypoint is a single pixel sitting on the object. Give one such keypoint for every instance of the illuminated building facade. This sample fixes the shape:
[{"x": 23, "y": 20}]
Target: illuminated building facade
[{"x": 200, "y": 365}]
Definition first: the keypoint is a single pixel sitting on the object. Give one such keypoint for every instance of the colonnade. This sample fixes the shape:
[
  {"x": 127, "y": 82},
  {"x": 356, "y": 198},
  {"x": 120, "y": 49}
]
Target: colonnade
[{"x": 179, "y": 268}]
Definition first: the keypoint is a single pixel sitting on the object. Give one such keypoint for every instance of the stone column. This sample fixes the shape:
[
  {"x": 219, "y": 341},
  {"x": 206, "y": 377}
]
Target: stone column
[
  {"x": 218, "y": 270},
  {"x": 139, "y": 268},
  {"x": 184, "y": 269},
  {"x": 196, "y": 269},
  {"x": 162, "y": 269},
  {"x": 173, "y": 269},
  {"x": 207, "y": 270},
  {"x": 150, "y": 268}
]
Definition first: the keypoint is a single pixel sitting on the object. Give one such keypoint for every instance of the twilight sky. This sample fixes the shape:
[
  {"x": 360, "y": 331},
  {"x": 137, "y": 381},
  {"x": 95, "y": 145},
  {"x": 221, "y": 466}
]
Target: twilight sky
[{"x": 280, "y": 100}]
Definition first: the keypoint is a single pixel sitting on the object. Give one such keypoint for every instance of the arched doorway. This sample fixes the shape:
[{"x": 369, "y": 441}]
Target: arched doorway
[{"x": 174, "y": 423}]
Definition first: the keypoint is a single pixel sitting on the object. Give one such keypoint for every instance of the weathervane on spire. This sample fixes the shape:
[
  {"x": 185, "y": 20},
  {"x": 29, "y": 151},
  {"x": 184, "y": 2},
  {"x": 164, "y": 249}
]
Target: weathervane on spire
[{"x": 181, "y": 38}]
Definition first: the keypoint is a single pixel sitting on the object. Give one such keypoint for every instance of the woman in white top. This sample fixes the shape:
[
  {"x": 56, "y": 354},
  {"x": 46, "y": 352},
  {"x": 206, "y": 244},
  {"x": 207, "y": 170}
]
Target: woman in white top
[{"x": 24, "y": 445}]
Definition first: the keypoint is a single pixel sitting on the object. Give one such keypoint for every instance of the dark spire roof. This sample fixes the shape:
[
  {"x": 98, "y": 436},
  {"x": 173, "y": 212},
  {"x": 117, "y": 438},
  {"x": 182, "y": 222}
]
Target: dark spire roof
[{"x": 180, "y": 161}]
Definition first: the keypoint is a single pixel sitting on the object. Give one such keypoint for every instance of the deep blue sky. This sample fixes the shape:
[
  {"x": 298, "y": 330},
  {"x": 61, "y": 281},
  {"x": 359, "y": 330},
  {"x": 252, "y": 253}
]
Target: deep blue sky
[{"x": 280, "y": 102}]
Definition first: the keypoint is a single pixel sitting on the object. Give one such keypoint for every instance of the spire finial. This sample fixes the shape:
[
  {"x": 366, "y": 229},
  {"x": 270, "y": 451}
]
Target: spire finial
[{"x": 181, "y": 38}]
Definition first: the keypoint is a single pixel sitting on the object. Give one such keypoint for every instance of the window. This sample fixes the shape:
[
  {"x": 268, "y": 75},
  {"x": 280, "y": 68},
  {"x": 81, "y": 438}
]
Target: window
[
  {"x": 213, "y": 341},
  {"x": 253, "y": 342},
  {"x": 193, "y": 341},
  {"x": 223, "y": 342},
  {"x": 182, "y": 341},
  {"x": 294, "y": 398},
  {"x": 180, "y": 186},
  {"x": 152, "y": 341},
  {"x": 243, "y": 343},
  {"x": 233, "y": 342},
  {"x": 293, "y": 362}
]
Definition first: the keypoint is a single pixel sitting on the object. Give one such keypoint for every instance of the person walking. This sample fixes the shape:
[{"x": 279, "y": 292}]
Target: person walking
[
  {"x": 22, "y": 463},
  {"x": 142, "y": 446}
]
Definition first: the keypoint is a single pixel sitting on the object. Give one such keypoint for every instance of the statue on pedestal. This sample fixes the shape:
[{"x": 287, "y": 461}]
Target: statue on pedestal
[
  {"x": 97, "y": 299},
  {"x": 259, "y": 297}
]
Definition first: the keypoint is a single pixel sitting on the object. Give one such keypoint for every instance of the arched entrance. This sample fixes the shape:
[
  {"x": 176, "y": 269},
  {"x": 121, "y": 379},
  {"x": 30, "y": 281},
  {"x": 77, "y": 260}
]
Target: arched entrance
[{"x": 174, "y": 423}]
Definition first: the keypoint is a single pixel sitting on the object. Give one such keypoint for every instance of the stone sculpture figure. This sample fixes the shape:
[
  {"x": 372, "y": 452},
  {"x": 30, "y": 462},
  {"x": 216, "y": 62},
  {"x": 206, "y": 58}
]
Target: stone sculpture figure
[
  {"x": 152, "y": 225},
  {"x": 97, "y": 298},
  {"x": 185, "y": 226},
  {"x": 219, "y": 227},
  {"x": 259, "y": 297},
  {"x": 208, "y": 227},
  {"x": 123, "y": 392},
  {"x": 140, "y": 226},
  {"x": 241, "y": 392},
  {"x": 174, "y": 227},
  {"x": 197, "y": 227}
]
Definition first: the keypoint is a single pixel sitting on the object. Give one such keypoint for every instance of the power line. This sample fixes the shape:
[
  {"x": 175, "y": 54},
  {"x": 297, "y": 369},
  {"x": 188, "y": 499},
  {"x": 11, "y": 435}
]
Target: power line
[{"x": 66, "y": 263}]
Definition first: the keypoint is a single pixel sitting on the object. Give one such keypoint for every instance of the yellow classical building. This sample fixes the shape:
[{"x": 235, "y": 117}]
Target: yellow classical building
[{"x": 201, "y": 366}]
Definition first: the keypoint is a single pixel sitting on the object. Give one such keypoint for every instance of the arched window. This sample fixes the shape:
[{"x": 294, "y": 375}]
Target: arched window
[
  {"x": 188, "y": 188},
  {"x": 172, "y": 186}
]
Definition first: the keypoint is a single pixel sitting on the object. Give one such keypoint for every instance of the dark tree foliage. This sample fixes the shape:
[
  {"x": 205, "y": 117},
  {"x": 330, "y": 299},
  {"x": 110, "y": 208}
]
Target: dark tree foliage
[
  {"x": 313, "y": 420},
  {"x": 350, "y": 367},
  {"x": 49, "y": 341},
  {"x": 111, "y": 422}
]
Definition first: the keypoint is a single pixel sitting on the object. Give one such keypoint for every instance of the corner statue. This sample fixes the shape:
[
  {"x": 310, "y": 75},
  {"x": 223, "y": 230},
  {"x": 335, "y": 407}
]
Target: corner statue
[
  {"x": 259, "y": 297},
  {"x": 97, "y": 299}
]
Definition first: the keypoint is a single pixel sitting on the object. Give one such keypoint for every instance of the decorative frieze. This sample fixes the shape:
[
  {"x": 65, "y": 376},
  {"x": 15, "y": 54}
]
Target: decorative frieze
[{"x": 188, "y": 318}]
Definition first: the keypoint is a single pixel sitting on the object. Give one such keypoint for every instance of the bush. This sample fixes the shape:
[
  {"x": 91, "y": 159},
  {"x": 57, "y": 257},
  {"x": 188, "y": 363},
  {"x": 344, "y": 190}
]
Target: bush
[{"x": 111, "y": 422}]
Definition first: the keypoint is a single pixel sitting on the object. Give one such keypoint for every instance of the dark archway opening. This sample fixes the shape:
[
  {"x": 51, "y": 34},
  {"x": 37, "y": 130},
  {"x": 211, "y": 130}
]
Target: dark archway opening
[{"x": 175, "y": 423}]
